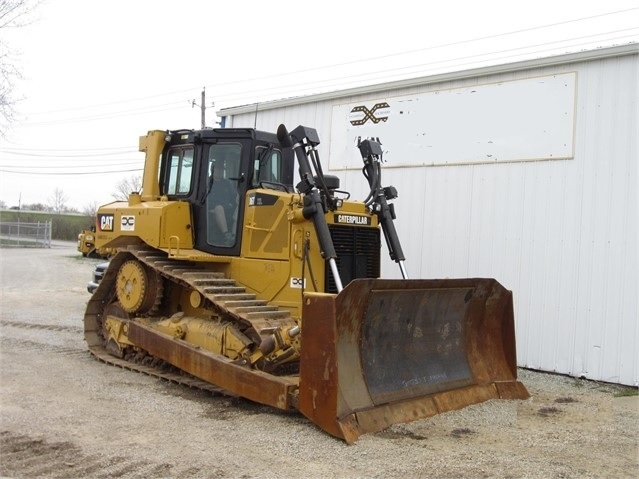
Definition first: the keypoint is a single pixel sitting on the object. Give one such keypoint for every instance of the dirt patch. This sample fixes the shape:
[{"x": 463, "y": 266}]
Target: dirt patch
[{"x": 65, "y": 415}]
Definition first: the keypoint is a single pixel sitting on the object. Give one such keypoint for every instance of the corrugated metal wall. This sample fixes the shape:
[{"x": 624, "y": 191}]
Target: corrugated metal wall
[{"x": 561, "y": 234}]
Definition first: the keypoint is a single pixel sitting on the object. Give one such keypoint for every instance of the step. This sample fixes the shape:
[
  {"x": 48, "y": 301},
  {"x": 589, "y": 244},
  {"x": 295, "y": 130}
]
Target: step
[
  {"x": 252, "y": 309},
  {"x": 189, "y": 274},
  {"x": 213, "y": 282},
  {"x": 151, "y": 256},
  {"x": 223, "y": 290},
  {"x": 245, "y": 303},
  {"x": 230, "y": 297},
  {"x": 141, "y": 250},
  {"x": 168, "y": 264},
  {"x": 180, "y": 269},
  {"x": 279, "y": 314}
]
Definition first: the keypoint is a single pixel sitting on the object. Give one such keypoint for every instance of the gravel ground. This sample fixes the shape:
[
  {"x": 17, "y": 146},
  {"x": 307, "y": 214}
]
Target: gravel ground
[{"x": 65, "y": 415}]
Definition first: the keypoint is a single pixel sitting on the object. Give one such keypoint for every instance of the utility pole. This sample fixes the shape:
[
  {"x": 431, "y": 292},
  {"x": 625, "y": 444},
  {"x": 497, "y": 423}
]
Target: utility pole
[{"x": 202, "y": 106}]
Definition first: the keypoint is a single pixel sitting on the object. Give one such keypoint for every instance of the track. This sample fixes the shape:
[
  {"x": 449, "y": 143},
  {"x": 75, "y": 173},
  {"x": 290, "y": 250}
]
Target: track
[
  {"x": 222, "y": 295},
  {"x": 25, "y": 456}
]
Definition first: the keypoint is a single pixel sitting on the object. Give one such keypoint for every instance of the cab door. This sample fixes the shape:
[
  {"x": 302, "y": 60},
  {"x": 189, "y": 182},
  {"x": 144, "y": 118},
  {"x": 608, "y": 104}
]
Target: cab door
[{"x": 219, "y": 214}]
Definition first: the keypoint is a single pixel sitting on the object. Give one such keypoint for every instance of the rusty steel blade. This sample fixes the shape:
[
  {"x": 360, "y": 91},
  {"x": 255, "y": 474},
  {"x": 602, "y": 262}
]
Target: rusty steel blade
[{"x": 389, "y": 351}]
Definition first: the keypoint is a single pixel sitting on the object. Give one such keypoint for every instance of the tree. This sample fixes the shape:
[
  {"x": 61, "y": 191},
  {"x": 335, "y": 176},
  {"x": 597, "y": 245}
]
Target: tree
[
  {"x": 127, "y": 186},
  {"x": 58, "y": 201},
  {"x": 13, "y": 14},
  {"x": 90, "y": 209},
  {"x": 34, "y": 207}
]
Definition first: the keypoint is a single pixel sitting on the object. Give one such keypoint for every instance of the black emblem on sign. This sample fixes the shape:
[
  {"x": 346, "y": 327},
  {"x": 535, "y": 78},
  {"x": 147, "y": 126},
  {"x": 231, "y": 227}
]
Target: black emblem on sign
[{"x": 369, "y": 114}]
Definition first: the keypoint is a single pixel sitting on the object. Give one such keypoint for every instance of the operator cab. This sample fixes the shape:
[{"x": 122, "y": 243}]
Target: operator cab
[{"x": 213, "y": 170}]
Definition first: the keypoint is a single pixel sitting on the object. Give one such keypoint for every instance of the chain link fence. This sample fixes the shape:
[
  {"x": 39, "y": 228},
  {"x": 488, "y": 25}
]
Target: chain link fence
[{"x": 36, "y": 235}]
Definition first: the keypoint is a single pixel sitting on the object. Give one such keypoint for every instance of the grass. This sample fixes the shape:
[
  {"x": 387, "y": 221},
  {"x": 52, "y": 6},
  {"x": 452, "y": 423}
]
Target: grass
[
  {"x": 22, "y": 243},
  {"x": 626, "y": 392},
  {"x": 616, "y": 390}
]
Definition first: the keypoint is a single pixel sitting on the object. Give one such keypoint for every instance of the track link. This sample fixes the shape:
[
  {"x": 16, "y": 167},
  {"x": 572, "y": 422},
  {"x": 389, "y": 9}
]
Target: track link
[
  {"x": 225, "y": 296},
  {"x": 102, "y": 355}
]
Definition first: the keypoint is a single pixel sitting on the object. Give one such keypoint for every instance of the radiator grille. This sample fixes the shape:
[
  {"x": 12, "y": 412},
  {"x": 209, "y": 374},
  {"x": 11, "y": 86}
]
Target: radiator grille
[{"x": 358, "y": 250}]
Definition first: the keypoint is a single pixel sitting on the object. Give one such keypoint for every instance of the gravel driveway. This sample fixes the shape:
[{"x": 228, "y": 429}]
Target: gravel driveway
[{"x": 65, "y": 415}]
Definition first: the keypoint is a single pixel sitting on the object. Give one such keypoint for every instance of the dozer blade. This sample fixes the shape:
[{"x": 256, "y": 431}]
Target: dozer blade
[{"x": 390, "y": 351}]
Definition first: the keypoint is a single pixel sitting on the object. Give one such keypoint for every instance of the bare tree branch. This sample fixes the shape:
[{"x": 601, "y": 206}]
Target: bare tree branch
[
  {"x": 127, "y": 186},
  {"x": 58, "y": 201},
  {"x": 90, "y": 209},
  {"x": 13, "y": 14}
]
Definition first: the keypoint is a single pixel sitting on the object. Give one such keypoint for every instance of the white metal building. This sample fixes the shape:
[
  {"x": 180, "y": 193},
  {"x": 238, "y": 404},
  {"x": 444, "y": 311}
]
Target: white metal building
[{"x": 525, "y": 172}]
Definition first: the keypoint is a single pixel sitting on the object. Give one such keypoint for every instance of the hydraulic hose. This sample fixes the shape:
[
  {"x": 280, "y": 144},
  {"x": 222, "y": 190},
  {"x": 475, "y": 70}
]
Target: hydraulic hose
[{"x": 313, "y": 206}]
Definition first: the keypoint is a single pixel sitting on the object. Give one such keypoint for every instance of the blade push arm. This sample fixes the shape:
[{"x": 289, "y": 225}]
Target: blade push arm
[{"x": 377, "y": 199}]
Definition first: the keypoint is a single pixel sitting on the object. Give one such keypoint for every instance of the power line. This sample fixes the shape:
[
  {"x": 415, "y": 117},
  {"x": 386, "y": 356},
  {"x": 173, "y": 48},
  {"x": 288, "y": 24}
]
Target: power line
[
  {"x": 307, "y": 70},
  {"x": 91, "y": 165},
  {"x": 421, "y": 50},
  {"x": 342, "y": 81},
  {"x": 333, "y": 83},
  {"x": 417, "y": 69},
  {"x": 79, "y": 155},
  {"x": 75, "y": 173},
  {"x": 132, "y": 100},
  {"x": 97, "y": 117},
  {"x": 73, "y": 149}
]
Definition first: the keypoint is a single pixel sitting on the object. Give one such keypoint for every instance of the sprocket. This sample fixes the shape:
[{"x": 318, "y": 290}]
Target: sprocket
[{"x": 138, "y": 288}]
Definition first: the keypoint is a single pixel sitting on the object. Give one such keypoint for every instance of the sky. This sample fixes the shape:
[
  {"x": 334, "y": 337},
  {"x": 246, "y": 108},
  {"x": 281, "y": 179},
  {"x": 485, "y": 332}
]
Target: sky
[{"x": 95, "y": 76}]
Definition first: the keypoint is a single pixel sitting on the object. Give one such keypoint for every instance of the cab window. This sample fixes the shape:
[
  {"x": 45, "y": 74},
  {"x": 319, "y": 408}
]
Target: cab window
[
  {"x": 224, "y": 162},
  {"x": 179, "y": 171},
  {"x": 267, "y": 166}
]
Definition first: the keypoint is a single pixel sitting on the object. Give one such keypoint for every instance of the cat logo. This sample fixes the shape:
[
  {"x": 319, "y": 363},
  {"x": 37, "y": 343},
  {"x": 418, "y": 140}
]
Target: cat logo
[{"x": 105, "y": 222}]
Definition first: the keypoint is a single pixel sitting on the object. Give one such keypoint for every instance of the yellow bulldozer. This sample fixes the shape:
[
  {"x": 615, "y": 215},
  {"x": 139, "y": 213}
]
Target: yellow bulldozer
[
  {"x": 86, "y": 245},
  {"x": 232, "y": 273}
]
